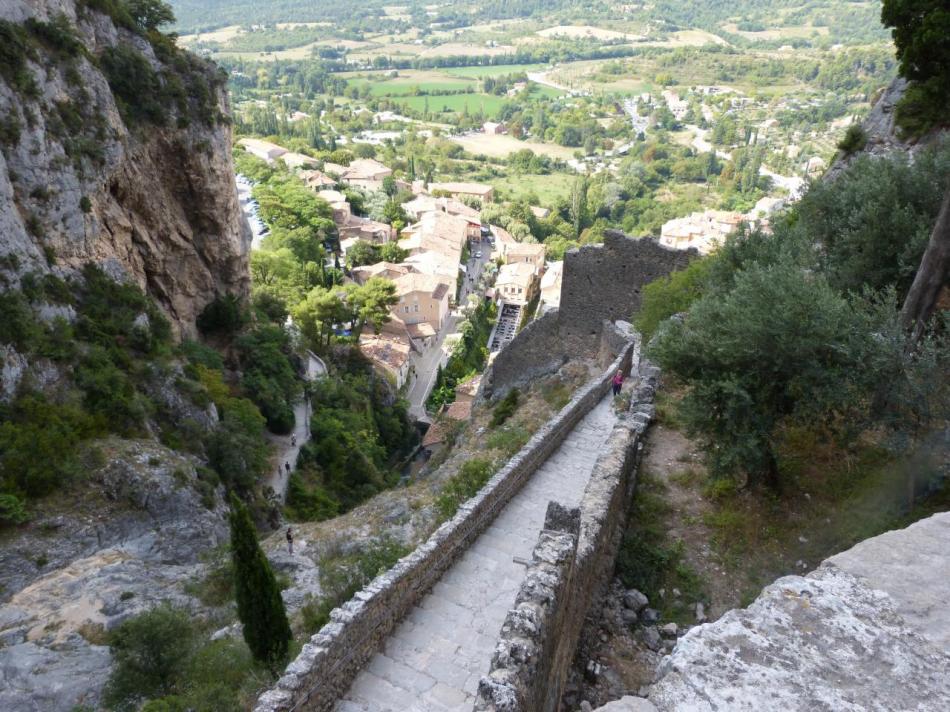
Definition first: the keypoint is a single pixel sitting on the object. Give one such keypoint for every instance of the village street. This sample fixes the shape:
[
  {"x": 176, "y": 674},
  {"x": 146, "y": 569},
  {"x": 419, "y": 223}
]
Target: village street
[{"x": 426, "y": 365}]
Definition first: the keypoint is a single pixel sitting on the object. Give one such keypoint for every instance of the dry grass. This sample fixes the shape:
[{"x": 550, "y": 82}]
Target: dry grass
[{"x": 502, "y": 146}]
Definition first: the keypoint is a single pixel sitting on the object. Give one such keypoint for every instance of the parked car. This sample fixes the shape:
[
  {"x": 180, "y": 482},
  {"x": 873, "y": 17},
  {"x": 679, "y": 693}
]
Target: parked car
[{"x": 478, "y": 255}]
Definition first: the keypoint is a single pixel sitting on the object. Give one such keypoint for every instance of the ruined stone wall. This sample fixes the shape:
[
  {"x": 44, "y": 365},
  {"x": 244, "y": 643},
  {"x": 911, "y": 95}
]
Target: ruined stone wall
[
  {"x": 604, "y": 282},
  {"x": 569, "y": 572},
  {"x": 326, "y": 666},
  {"x": 601, "y": 284}
]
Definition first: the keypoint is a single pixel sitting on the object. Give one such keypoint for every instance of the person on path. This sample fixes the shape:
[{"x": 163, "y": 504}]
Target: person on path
[
  {"x": 617, "y": 383},
  {"x": 293, "y": 440},
  {"x": 290, "y": 541},
  {"x": 287, "y": 466}
]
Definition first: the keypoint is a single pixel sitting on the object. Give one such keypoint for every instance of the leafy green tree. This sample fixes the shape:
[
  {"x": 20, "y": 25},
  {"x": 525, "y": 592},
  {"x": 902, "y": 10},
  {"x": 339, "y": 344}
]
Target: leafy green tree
[
  {"x": 781, "y": 345},
  {"x": 873, "y": 223},
  {"x": 150, "y": 654},
  {"x": 260, "y": 607},
  {"x": 920, "y": 31},
  {"x": 318, "y": 312},
  {"x": 392, "y": 252},
  {"x": 670, "y": 295},
  {"x": 371, "y": 302},
  {"x": 362, "y": 253},
  {"x": 150, "y": 14}
]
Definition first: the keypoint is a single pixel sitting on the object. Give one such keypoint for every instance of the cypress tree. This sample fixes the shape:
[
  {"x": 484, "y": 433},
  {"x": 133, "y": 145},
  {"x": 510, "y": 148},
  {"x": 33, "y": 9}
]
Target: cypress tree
[{"x": 260, "y": 607}]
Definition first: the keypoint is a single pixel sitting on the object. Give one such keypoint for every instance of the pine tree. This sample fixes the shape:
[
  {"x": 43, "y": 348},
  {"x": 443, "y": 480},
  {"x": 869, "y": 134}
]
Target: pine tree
[{"x": 259, "y": 604}]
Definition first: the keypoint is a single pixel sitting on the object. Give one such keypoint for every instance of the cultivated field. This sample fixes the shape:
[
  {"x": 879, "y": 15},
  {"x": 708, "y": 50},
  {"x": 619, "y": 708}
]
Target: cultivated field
[{"x": 502, "y": 146}]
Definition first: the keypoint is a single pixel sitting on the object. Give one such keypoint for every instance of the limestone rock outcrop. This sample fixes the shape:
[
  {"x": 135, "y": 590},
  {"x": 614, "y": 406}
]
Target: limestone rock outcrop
[
  {"x": 134, "y": 537},
  {"x": 868, "y": 630},
  {"x": 150, "y": 202}
]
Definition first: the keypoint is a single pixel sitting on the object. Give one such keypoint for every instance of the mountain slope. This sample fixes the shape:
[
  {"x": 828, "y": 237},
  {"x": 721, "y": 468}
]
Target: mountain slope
[{"x": 115, "y": 149}]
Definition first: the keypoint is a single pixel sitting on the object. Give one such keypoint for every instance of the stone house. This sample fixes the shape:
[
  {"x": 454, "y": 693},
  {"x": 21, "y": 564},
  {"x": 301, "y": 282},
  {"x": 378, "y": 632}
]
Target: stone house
[
  {"x": 422, "y": 299},
  {"x": 517, "y": 283},
  {"x": 389, "y": 351},
  {"x": 366, "y": 173},
  {"x": 483, "y": 192},
  {"x": 551, "y": 287},
  {"x": 265, "y": 150},
  {"x": 295, "y": 161},
  {"x": 524, "y": 252},
  {"x": 492, "y": 128},
  {"x": 386, "y": 270}
]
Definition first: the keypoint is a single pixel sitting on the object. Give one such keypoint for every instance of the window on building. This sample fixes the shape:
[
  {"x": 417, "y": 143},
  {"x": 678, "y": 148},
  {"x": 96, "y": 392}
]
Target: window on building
[{"x": 407, "y": 309}]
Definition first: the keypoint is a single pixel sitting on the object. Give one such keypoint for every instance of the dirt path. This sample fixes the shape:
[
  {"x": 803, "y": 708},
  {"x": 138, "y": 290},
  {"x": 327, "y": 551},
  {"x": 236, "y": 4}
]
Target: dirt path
[
  {"x": 672, "y": 459},
  {"x": 288, "y": 446}
]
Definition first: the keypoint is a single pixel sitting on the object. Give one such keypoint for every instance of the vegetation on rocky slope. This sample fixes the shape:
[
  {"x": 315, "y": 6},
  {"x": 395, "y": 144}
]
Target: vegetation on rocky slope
[{"x": 800, "y": 328}]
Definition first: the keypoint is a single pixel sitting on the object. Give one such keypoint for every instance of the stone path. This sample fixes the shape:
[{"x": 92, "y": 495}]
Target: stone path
[
  {"x": 288, "y": 446},
  {"x": 435, "y": 657}
]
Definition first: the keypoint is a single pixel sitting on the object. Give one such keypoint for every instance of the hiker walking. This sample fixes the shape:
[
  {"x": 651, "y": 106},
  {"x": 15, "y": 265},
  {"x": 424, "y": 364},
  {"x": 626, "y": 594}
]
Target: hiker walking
[
  {"x": 293, "y": 440},
  {"x": 290, "y": 541},
  {"x": 617, "y": 383},
  {"x": 287, "y": 466}
]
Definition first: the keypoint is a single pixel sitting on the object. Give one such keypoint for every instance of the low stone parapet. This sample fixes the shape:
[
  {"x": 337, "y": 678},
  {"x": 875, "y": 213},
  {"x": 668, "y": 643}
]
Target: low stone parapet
[
  {"x": 568, "y": 573},
  {"x": 326, "y": 665}
]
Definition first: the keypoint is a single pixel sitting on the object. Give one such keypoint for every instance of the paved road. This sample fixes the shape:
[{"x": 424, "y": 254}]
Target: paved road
[
  {"x": 427, "y": 365},
  {"x": 433, "y": 660},
  {"x": 286, "y": 450}
]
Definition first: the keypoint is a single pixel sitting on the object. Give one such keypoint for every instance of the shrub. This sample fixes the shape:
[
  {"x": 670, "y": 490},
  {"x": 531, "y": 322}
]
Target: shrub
[
  {"x": 85, "y": 204},
  {"x": 855, "y": 139},
  {"x": 505, "y": 408},
  {"x": 462, "y": 486},
  {"x": 12, "y": 510},
  {"x": 150, "y": 653},
  {"x": 18, "y": 326},
  {"x": 38, "y": 444},
  {"x": 223, "y": 315},
  {"x": 137, "y": 88}
]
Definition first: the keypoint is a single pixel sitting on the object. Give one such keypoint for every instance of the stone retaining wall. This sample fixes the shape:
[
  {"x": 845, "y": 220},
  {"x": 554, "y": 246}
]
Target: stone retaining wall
[
  {"x": 601, "y": 284},
  {"x": 569, "y": 572},
  {"x": 326, "y": 666}
]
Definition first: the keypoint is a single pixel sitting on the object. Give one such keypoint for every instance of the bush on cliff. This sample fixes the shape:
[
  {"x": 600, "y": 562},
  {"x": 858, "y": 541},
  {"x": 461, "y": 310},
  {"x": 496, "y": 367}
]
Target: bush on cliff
[{"x": 160, "y": 665}]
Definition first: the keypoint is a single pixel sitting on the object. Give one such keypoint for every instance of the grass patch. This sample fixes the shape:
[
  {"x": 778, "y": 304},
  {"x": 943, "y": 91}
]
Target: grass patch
[
  {"x": 650, "y": 561},
  {"x": 508, "y": 440},
  {"x": 462, "y": 486},
  {"x": 341, "y": 576}
]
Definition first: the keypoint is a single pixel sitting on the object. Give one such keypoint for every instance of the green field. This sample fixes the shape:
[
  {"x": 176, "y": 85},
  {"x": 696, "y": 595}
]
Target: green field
[
  {"x": 408, "y": 87},
  {"x": 488, "y": 103},
  {"x": 548, "y": 188},
  {"x": 547, "y": 92}
]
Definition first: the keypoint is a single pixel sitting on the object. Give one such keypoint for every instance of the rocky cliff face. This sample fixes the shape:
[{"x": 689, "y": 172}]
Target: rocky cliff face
[{"x": 87, "y": 174}]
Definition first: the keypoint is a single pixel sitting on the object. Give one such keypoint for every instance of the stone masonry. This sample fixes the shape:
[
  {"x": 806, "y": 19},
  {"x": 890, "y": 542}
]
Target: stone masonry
[
  {"x": 601, "y": 285},
  {"x": 326, "y": 667},
  {"x": 571, "y": 565},
  {"x": 434, "y": 659}
]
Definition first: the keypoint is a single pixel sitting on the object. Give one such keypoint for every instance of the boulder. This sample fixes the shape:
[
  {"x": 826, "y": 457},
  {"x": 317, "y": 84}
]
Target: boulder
[
  {"x": 651, "y": 638},
  {"x": 634, "y": 600}
]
